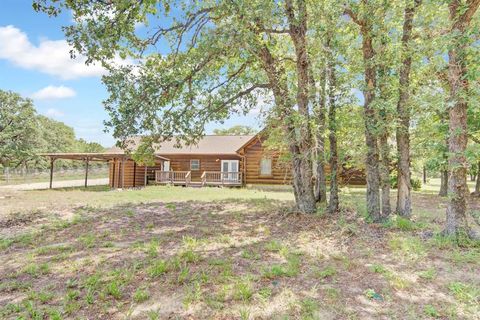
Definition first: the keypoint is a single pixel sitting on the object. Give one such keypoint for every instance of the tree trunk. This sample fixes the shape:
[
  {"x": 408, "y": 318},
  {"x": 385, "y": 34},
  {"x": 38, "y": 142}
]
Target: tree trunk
[
  {"x": 424, "y": 175},
  {"x": 477, "y": 184},
  {"x": 443, "y": 183},
  {"x": 372, "y": 159},
  {"x": 298, "y": 136},
  {"x": 385, "y": 172},
  {"x": 319, "y": 108},
  {"x": 404, "y": 198},
  {"x": 456, "y": 222},
  {"x": 302, "y": 164},
  {"x": 333, "y": 204}
]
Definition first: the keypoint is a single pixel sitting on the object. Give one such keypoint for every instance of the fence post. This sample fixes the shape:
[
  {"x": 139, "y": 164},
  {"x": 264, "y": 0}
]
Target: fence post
[
  {"x": 7, "y": 174},
  {"x": 51, "y": 171}
]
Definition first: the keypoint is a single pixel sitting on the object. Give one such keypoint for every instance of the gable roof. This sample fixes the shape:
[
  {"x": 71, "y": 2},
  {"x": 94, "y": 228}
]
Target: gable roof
[{"x": 210, "y": 144}]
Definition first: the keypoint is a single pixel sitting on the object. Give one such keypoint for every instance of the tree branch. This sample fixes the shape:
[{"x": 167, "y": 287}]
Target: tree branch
[{"x": 353, "y": 16}]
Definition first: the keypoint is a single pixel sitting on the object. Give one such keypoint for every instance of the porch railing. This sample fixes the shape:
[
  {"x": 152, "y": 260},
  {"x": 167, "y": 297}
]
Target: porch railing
[
  {"x": 174, "y": 177},
  {"x": 221, "y": 178}
]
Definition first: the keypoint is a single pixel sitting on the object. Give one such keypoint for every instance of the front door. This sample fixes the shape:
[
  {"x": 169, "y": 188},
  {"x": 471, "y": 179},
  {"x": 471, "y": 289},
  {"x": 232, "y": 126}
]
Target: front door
[
  {"x": 230, "y": 170},
  {"x": 166, "y": 166}
]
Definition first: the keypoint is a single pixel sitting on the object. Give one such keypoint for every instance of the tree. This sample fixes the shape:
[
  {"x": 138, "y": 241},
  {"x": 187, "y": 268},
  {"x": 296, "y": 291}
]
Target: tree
[
  {"x": 461, "y": 15},
  {"x": 17, "y": 129},
  {"x": 222, "y": 55},
  {"x": 363, "y": 18},
  {"x": 237, "y": 130},
  {"x": 404, "y": 198}
]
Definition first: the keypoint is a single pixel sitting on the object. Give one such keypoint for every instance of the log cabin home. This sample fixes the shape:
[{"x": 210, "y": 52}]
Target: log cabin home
[{"x": 215, "y": 160}]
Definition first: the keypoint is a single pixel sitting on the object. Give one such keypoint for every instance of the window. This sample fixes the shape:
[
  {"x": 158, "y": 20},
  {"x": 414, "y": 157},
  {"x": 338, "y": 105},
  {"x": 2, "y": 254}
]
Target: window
[
  {"x": 194, "y": 164},
  {"x": 266, "y": 167}
]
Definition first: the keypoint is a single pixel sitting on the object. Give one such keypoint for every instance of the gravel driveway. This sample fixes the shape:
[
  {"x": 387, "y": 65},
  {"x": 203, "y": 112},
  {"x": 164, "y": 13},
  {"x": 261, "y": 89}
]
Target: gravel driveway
[{"x": 56, "y": 184}]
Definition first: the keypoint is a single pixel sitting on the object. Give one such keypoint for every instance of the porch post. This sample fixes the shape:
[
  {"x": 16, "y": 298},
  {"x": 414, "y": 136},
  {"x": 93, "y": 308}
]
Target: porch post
[
  {"x": 145, "y": 178},
  {"x": 123, "y": 173},
  {"x": 52, "y": 160},
  {"x": 134, "y": 173},
  {"x": 113, "y": 172},
  {"x": 86, "y": 171}
]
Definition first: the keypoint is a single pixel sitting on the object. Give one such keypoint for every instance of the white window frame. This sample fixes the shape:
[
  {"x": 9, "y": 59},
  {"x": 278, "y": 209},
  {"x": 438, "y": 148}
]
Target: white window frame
[
  {"x": 266, "y": 174},
  {"x": 192, "y": 161},
  {"x": 231, "y": 177},
  {"x": 166, "y": 165}
]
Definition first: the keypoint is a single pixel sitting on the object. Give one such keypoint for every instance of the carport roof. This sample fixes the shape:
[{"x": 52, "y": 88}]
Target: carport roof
[{"x": 91, "y": 156}]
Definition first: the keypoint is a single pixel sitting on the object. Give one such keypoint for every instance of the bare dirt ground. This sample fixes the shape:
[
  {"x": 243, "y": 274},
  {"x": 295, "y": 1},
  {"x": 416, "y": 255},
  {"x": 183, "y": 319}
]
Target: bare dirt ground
[
  {"x": 234, "y": 259},
  {"x": 55, "y": 184}
]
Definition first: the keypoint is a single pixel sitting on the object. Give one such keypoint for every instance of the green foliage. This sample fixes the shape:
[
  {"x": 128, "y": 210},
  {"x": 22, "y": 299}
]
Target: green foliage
[
  {"x": 141, "y": 295},
  {"x": 18, "y": 129},
  {"x": 414, "y": 182},
  {"x": 24, "y": 134},
  {"x": 237, "y": 130}
]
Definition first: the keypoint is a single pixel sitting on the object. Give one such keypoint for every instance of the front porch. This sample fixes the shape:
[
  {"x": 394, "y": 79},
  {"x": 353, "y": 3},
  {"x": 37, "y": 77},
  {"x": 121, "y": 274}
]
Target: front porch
[{"x": 208, "y": 178}]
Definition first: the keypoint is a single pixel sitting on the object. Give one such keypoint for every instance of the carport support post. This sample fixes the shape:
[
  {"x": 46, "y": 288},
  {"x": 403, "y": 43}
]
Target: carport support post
[
  {"x": 52, "y": 160},
  {"x": 145, "y": 178},
  {"x": 86, "y": 171}
]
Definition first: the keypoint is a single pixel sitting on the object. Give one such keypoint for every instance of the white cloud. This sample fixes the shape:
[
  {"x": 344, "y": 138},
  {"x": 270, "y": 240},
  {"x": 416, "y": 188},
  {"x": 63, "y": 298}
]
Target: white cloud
[
  {"x": 49, "y": 56},
  {"x": 54, "y": 113},
  {"x": 52, "y": 92}
]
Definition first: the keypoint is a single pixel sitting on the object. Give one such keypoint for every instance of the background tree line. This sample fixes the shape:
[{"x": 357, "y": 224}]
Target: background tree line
[
  {"x": 24, "y": 134},
  {"x": 401, "y": 75}
]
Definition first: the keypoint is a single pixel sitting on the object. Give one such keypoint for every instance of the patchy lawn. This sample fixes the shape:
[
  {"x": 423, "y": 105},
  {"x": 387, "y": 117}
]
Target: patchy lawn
[{"x": 226, "y": 254}]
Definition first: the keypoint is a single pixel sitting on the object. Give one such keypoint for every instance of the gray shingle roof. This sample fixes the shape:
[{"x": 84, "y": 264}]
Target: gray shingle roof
[{"x": 210, "y": 144}]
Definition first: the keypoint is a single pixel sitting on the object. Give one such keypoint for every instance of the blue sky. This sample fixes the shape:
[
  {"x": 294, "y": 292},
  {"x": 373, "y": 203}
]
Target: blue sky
[{"x": 35, "y": 62}]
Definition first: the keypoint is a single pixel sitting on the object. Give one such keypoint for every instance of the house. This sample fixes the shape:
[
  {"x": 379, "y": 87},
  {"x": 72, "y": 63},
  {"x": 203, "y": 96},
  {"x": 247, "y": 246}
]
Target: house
[{"x": 215, "y": 160}]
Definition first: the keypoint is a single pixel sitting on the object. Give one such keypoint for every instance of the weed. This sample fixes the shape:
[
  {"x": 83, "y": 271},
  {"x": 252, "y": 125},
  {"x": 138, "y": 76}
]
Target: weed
[
  {"x": 273, "y": 246},
  {"x": 265, "y": 293},
  {"x": 308, "y": 308},
  {"x": 332, "y": 293},
  {"x": 243, "y": 290},
  {"x": 189, "y": 256},
  {"x": 428, "y": 274},
  {"x": 5, "y": 243},
  {"x": 250, "y": 255},
  {"x": 430, "y": 311},
  {"x": 171, "y": 206},
  {"x": 378, "y": 268},
  {"x": 42, "y": 296},
  {"x": 158, "y": 268},
  {"x": 469, "y": 256},
  {"x": 244, "y": 314},
  {"x": 183, "y": 275},
  {"x": 153, "y": 314},
  {"x": 193, "y": 293},
  {"x": 152, "y": 248},
  {"x": 190, "y": 243},
  {"x": 35, "y": 270},
  {"x": 327, "y": 272},
  {"x": 114, "y": 289},
  {"x": 465, "y": 293},
  {"x": 141, "y": 295},
  {"x": 88, "y": 240},
  {"x": 408, "y": 247}
]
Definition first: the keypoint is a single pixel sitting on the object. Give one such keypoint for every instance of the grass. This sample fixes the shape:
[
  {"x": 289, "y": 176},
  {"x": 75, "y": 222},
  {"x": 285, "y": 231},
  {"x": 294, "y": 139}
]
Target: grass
[{"x": 226, "y": 254}]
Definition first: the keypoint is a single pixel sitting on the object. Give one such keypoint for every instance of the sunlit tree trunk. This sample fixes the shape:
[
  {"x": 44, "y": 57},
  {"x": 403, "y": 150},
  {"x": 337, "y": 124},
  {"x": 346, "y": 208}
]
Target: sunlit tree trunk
[
  {"x": 319, "y": 109},
  {"x": 333, "y": 204},
  {"x": 404, "y": 198},
  {"x": 460, "y": 16},
  {"x": 369, "y": 115},
  {"x": 477, "y": 184},
  {"x": 443, "y": 183}
]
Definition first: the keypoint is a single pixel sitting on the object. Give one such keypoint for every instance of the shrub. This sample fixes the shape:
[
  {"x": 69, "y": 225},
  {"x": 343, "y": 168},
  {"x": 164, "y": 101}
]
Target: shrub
[{"x": 414, "y": 182}]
